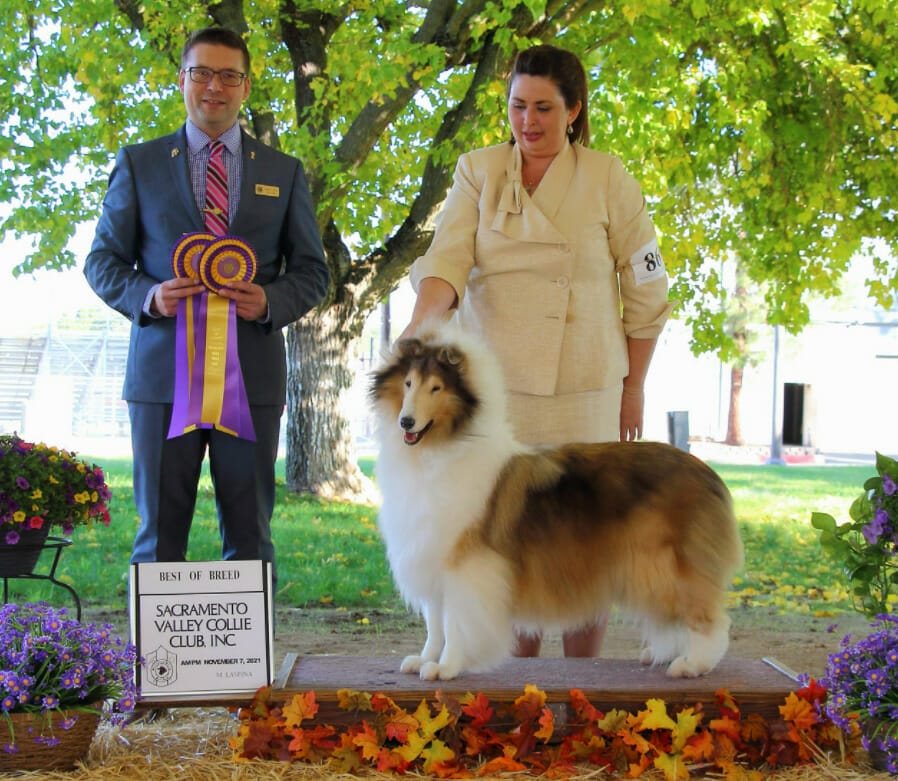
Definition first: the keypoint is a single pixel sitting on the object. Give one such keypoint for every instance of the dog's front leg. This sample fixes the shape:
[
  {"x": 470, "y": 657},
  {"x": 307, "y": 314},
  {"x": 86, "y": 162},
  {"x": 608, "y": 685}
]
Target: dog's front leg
[{"x": 433, "y": 646}]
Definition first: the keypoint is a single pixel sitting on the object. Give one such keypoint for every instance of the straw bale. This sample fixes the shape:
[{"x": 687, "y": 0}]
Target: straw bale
[{"x": 191, "y": 744}]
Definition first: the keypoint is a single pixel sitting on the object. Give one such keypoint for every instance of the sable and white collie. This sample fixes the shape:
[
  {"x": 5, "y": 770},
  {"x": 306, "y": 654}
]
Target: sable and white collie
[{"x": 485, "y": 535}]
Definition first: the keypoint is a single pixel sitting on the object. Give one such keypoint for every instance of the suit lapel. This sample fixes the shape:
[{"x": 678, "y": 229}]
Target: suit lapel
[
  {"x": 522, "y": 218},
  {"x": 179, "y": 162}
]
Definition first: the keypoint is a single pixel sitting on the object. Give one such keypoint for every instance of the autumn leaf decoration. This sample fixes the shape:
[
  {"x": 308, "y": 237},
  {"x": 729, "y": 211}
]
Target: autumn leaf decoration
[{"x": 462, "y": 737}]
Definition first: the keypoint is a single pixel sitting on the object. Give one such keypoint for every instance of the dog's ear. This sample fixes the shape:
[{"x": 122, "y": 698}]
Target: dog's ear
[
  {"x": 451, "y": 355},
  {"x": 409, "y": 348}
]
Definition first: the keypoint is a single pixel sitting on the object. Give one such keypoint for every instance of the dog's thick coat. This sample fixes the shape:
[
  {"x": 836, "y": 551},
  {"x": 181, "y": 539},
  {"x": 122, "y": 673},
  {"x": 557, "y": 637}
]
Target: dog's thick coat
[{"x": 484, "y": 534}]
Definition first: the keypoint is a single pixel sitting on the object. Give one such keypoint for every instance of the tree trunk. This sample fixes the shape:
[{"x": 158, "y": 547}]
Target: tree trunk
[
  {"x": 734, "y": 424},
  {"x": 321, "y": 454}
]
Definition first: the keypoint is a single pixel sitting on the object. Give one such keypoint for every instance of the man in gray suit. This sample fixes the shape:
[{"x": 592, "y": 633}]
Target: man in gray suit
[{"x": 156, "y": 195}]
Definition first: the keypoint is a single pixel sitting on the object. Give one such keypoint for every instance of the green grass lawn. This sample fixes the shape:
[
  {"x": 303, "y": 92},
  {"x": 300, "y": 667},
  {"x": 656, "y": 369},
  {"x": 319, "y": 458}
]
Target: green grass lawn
[{"x": 330, "y": 553}]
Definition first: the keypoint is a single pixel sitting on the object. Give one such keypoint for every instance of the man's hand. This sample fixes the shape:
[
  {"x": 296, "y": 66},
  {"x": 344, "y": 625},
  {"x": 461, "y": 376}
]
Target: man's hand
[
  {"x": 250, "y": 298},
  {"x": 165, "y": 300}
]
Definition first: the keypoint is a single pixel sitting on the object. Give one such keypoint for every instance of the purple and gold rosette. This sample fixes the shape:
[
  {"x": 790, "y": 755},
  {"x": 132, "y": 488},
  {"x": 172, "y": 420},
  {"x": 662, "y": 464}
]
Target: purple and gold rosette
[
  {"x": 209, "y": 388},
  {"x": 225, "y": 260}
]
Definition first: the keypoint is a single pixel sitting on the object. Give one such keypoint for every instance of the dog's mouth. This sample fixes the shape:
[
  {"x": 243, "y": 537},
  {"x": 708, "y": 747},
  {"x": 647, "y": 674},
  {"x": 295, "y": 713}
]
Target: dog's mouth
[{"x": 414, "y": 437}]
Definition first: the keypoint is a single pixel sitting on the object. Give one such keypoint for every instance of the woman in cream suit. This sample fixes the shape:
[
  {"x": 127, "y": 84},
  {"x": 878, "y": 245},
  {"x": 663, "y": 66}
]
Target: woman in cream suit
[{"x": 547, "y": 249}]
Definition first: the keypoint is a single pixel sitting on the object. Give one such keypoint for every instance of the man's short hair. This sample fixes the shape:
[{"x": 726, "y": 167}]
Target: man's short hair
[{"x": 218, "y": 36}]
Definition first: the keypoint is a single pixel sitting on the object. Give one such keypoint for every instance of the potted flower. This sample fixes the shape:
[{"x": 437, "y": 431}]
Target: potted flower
[
  {"x": 866, "y": 545},
  {"x": 58, "y": 677},
  {"x": 41, "y": 487},
  {"x": 862, "y": 683}
]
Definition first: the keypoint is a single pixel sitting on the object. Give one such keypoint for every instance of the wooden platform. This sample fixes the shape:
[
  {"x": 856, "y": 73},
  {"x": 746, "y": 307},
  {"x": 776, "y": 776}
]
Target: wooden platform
[{"x": 758, "y": 686}]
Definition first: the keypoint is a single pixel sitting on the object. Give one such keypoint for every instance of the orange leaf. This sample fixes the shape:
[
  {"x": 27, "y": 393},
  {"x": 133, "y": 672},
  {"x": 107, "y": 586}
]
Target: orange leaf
[
  {"x": 529, "y": 705},
  {"x": 726, "y": 703},
  {"x": 479, "y": 709},
  {"x": 726, "y": 726},
  {"x": 583, "y": 707},
  {"x": 700, "y": 747},
  {"x": 754, "y": 728},
  {"x": 381, "y": 703},
  {"x": 503, "y": 764},
  {"x": 302, "y": 706},
  {"x": 367, "y": 741},
  {"x": 399, "y": 724},
  {"x": 799, "y": 711},
  {"x": 546, "y": 725}
]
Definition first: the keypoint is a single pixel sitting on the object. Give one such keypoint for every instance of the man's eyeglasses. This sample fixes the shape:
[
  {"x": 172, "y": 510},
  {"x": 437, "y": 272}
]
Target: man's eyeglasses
[{"x": 204, "y": 75}]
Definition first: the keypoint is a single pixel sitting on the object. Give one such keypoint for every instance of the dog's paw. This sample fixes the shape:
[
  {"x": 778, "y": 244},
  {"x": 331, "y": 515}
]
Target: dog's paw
[
  {"x": 647, "y": 656},
  {"x": 681, "y": 667},
  {"x": 433, "y": 671},
  {"x": 413, "y": 664}
]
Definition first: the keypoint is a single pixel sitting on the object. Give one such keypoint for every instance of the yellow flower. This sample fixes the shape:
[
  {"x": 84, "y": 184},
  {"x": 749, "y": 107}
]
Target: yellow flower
[
  {"x": 18, "y": 516},
  {"x": 82, "y": 498},
  {"x": 53, "y": 480}
]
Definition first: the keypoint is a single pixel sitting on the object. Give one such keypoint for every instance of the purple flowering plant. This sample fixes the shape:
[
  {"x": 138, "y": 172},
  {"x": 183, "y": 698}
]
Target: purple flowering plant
[
  {"x": 867, "y": 545},
  {"x": 862, "y": 684},
  {"x": 51, "y": 664},
  {"x": 41, "y": 485}
]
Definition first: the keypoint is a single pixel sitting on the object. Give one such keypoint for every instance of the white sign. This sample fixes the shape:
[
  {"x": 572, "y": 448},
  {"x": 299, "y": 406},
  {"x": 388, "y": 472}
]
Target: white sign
[{"x": 202, "y": 627}]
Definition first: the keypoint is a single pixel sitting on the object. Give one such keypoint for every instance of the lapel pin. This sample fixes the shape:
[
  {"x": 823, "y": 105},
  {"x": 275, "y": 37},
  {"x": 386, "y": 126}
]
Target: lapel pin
[
  {"x": 175, "y": 152},
  {"x": 252, "y": 155}
]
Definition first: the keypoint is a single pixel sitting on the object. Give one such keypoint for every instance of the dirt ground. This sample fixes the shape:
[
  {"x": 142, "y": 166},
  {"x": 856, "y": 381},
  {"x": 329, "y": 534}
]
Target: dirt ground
[
  {"x": 800, "y": 642},
  {"x": 803, "y": 643}
]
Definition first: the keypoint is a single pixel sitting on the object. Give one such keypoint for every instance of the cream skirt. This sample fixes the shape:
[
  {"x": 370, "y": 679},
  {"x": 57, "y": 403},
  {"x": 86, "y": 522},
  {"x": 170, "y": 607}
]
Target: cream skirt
[{"x": 591, "y": 416}]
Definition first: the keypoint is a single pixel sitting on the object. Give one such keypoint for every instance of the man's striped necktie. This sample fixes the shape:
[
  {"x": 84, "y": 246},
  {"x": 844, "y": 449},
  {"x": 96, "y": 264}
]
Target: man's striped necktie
[{"x": 216, "y": 191}]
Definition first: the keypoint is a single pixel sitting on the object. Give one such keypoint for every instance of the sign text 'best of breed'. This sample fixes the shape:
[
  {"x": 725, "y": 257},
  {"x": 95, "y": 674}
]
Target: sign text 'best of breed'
[{"x": 202, "y": 628}]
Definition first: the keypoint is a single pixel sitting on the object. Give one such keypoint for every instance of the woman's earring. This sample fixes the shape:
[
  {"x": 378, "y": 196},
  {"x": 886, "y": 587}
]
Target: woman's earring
[{"x": 570, "y": 130}]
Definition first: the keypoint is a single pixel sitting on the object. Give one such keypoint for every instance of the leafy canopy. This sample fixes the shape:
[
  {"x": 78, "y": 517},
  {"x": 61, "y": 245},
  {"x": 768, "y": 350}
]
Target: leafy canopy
[{"x": 763, "y": 131}]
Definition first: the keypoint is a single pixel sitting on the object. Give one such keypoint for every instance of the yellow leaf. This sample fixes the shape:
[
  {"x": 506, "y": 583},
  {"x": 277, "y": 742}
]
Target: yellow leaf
[
  {"x": 687, "y": 721},
  {"x": 438, "y": 752},
  {"x": 672, "y": 766},
  {"x": 655, "y": 716},
  {"x": 348, "y": 699}
]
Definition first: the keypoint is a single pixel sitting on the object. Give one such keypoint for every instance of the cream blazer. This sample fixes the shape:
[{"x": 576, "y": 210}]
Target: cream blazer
[{"x": 556, "y": 281}]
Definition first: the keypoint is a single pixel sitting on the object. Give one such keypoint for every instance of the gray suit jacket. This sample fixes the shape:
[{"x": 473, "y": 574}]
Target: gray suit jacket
[{"x": 149, "y": 205}]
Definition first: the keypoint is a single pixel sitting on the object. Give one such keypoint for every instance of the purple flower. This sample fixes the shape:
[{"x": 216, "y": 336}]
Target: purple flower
[
  {"x": 12, "y": 537},
  {"x": 874, "y": 530},
  {"x": 888, "y": 485},
  {"x": 22, "y": 483}
]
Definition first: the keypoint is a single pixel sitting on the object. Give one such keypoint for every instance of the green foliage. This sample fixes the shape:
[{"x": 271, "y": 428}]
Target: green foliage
[
  {"x": 765, "y": 132},
  {"x": 330, "y": 553},
  {"x": 865, "y": 546}
]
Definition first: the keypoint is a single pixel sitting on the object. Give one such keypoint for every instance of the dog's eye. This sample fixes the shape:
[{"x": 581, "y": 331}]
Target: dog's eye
[
  {"x": 436, "y": 388},
  {"x": 408, "y": 383}
]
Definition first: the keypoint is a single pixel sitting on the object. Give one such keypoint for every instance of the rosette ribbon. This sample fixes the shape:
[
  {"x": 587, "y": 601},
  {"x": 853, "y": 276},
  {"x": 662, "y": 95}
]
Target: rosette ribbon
[{"x": 209, "y": 388}]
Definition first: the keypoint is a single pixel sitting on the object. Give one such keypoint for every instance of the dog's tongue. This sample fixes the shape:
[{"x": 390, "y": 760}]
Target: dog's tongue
[{"x": 411, "y": 437}]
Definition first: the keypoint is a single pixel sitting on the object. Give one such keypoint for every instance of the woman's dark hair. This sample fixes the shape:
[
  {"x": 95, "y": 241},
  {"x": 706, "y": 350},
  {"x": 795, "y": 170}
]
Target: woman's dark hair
[
  {"x": 217, "y": 36},
  {"x": 566, "y": 71}
]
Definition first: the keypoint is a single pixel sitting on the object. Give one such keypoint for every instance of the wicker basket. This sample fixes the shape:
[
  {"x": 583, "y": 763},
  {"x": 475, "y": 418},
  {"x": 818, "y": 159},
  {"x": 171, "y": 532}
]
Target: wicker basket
[{"x": 74, "y": 743}]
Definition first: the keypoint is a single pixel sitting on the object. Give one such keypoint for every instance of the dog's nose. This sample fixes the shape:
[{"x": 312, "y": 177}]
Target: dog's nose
[{"x": 407, "y": 423}]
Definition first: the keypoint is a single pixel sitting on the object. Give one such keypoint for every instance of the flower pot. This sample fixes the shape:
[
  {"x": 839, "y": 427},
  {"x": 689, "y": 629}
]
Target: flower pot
[
  {"x": 21, "y": 558},
  {"x": 28, "y": 728},
  {"x": 874, "y": 733}
]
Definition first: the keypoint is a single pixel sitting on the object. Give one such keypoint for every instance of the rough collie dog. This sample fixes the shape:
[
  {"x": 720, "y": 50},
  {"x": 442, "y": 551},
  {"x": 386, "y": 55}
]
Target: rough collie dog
[{"x": 485, "y": 535}]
